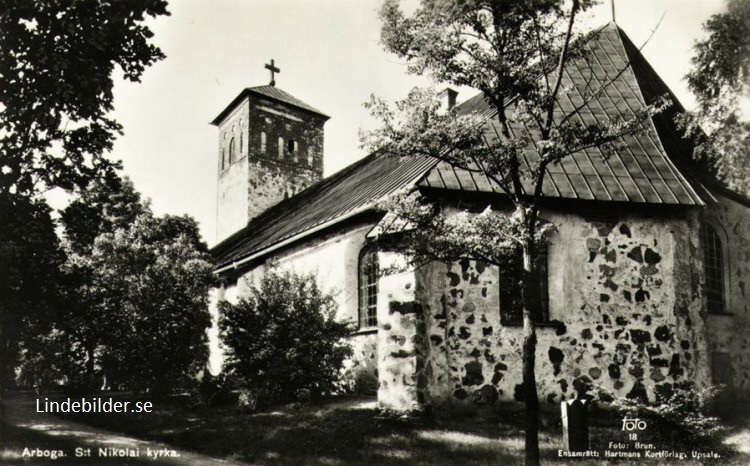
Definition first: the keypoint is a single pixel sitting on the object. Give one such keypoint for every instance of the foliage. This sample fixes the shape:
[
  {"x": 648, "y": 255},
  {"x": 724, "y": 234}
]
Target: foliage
[
  {"x": 146, "y": 300},
  {"x": 132, "y": 305},
  {"x": 284, "y": 338},
  {"x": 515, "y": 53},
  {"x": 210, "y": 390},
  {"x": 31, "y": 257},
  {"x": 105, "y": 206},
  {"x": 720, "y": 80},
  {"x": 57, "y": 60},
  {"x": 684, "y": 415}
]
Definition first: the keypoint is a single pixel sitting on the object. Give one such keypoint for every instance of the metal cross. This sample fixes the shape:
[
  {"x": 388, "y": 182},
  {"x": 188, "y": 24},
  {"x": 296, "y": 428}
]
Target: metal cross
[{"x": 272, "y": 68}]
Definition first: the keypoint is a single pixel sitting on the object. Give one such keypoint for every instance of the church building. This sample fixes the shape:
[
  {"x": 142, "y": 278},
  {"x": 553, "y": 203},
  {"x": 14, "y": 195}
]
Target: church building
[{"x": 647, "y": 273}]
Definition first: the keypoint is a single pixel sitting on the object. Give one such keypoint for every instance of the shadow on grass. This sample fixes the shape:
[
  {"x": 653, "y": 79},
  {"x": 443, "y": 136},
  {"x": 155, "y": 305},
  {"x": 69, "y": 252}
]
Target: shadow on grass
[{"x": 348, "y": 432}]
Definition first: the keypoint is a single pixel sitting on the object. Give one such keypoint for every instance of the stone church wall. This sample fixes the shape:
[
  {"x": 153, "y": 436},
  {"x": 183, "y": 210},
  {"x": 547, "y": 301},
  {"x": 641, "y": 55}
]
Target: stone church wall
[
  {"x": 333, "y": 260},
  {"x": 730, "y": 333},
  {"x": 233, "y": 177},
  {"x": 625, "y": 295}
]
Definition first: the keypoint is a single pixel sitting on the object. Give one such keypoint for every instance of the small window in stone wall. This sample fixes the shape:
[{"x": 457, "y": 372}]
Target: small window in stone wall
[
  {"x": 262, "y": 142},
  {"x": 713, "y": 264},
  {"x": 369, "y": 271},
  {"x": 281, "y": 148},
  {"x": 511, "y": 300},
  {"x": 242, "y": 147},
  {"x": 292, "y": 148},
  {"x": 232, "y": 154},
  {"x": 223, "y": 159},
  {"x": 310, "y": 158}
]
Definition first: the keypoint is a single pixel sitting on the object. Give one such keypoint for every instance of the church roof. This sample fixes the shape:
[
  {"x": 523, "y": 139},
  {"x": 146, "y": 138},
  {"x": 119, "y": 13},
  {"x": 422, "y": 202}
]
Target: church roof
[
  {"x": 349, "y": 192},
  {"x": 271, "y": 92},
  {"x": 643, "y": 169}
]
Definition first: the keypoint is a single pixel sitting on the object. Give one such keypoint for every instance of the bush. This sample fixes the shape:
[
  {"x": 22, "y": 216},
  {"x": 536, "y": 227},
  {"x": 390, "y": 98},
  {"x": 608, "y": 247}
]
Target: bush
[
  {"x": 683, "y": 416},
  {"x": 283, "y": 338}
]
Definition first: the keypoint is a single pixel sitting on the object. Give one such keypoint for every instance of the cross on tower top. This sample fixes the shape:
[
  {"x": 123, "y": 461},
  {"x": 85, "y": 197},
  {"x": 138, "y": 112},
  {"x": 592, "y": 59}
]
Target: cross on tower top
[{"x": 273, "y": 69}]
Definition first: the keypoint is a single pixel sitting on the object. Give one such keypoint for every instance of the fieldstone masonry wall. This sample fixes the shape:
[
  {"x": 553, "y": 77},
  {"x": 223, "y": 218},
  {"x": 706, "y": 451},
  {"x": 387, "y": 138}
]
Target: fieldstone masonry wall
[
  {"x": 625, "y": 295},
  {"x": 401, "y": 345},
  {"x": 729, "y": 334}
]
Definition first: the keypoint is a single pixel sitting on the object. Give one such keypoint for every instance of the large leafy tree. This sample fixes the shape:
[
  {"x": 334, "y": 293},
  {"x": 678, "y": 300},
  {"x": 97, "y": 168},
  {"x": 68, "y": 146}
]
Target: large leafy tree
[
  {"x": 57, "y": 63},
  {"x": 30, "y": 257},
  {"x": 138, "y": 304},
  {"x": 720, "y": 80},
  {"x": 514, "y": 51}
]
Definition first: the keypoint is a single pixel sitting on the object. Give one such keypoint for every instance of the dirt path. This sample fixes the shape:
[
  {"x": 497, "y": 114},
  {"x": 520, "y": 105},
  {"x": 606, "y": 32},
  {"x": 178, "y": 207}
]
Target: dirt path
[{"x": 28, "y": 437}]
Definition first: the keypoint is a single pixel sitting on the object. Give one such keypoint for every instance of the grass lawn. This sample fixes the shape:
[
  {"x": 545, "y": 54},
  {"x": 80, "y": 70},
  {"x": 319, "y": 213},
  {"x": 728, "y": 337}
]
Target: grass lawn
[{"x": 352, "y": 432}]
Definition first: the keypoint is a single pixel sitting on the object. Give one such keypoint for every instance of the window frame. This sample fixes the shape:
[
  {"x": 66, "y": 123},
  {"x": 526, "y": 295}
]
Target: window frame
[
  {"x": 232, "y": 158},
  {"x": 515, "y": 317},
  {"x": 367, "y": 288},
  {"x": 719, "y": 238}
]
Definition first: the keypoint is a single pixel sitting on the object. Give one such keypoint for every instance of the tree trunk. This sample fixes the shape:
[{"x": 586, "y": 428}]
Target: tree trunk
[{"x": 531, "y": 399}]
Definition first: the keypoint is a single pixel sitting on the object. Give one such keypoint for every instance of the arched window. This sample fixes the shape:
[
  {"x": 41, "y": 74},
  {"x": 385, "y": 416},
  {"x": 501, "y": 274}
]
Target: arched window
[
  {"x": 262, "y": 142},
  {"x": 368, "y": 287},
  {"x": 223, "y": 159},
  {"x": 310, "y": 156},
  {"x": 511, "y": 300},
  {"x": 242, "y": 146},
  {"x": 231, "y": 151},
  {"x": 292, "y": 148},
  {"x": 281, "y": 148},
  {"x": 713, "y": 264}
]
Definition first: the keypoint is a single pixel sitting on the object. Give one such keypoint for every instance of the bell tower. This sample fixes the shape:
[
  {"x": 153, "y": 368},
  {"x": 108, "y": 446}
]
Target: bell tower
[{"x": 270, "y": 148}]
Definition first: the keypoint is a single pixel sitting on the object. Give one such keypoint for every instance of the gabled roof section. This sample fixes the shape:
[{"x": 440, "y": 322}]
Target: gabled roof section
[
  {"x": 643, "y": 168},
  {"x": 651, "y": 167},
  {"x": 271, "y": 92},
  {"x": 352, "y": 190}
]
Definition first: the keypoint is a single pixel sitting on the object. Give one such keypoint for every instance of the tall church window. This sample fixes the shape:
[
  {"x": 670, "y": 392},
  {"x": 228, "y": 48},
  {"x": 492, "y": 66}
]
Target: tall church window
[
  {"x": 713, "y": 264},
  {"x": 232, "y": 155},
  {"x": 293, "y": 149},
  {"x": 281, "y": 148},
  {"x": 511, "y": 299},
  {"x": 262, "y": 142},
  {"x": 368, "y": 287}
]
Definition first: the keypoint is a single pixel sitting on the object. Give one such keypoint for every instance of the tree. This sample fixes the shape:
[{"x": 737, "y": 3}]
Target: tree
[
  {"x": 57, "y": 61},
  {"x": 284, "y": 338},
  {"x": 30, "y": 257},
  {"x": 720, "y": 80},
  {"x": 143, "y": 312},
  {"x": 134, "y": 300},
  {"x": 515, "y": 53}
]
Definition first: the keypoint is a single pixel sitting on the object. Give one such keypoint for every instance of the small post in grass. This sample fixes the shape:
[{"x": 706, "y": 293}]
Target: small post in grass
[{"x": 575, "y": 424}]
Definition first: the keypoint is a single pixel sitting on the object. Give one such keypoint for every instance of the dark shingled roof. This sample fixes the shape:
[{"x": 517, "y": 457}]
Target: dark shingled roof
[
  {"x": 271, "y": 92},
  {"x": 643, "y": 168},
  {"x": 346, "y": 193}
]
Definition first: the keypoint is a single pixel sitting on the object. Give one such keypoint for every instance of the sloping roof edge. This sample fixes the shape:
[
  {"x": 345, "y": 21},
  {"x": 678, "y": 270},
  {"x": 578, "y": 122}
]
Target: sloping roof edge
[
  {"x": 225, "y": 248},
  {"x": 254, "y": 91}
]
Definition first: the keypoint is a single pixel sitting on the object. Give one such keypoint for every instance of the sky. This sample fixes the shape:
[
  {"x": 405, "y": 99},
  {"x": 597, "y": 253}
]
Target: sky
[{"x": 330, "y": 57}]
